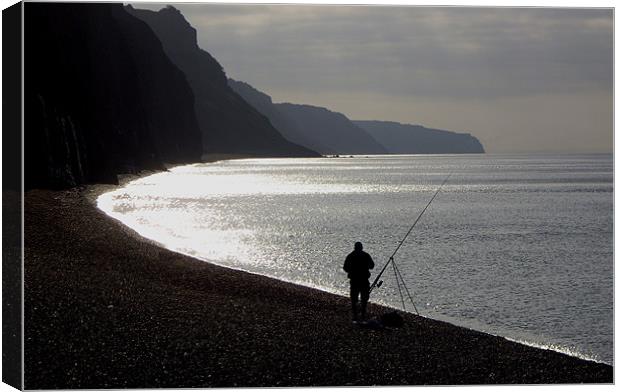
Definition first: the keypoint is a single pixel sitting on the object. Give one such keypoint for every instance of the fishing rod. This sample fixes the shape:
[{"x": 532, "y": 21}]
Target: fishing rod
[{"x": 378, "y": 283}]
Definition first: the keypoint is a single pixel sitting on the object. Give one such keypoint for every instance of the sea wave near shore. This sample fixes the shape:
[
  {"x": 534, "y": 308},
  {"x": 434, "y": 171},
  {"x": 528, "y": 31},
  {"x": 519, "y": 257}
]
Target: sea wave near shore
[{"x": 514, "y": 245}]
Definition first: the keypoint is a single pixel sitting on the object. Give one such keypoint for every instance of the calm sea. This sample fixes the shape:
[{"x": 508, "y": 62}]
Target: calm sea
[{"x": 515, "y": 245}]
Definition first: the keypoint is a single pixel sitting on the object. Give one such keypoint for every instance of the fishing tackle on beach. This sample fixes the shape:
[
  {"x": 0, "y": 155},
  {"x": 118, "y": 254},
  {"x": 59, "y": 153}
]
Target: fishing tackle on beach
[{"x": 398, "y": 276}]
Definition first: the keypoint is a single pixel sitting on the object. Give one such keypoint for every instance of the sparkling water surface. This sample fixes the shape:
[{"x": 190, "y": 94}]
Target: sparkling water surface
[{"x": 515, "y": 245}]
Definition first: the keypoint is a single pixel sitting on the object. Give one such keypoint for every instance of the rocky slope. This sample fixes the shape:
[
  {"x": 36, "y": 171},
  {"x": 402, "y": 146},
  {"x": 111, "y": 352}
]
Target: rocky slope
[
  {"x": 229, "y": 124},
  {"x": 331, "y": 129},
  {"x": 285, "y": 125},
  {"x": 314, "y": 127},
  {"x": 416, "y": 139},
  {"x": 101, "y": 97},
  {"x": 332, "y": 133}
]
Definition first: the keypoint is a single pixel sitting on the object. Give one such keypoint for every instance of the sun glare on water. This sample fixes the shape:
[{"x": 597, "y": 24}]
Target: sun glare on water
[{"x": 183, "y": 209}]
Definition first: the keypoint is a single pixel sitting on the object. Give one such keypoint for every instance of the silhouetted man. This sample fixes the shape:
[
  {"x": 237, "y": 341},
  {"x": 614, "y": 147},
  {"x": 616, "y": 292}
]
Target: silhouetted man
[{"x": 358, "y": 265}]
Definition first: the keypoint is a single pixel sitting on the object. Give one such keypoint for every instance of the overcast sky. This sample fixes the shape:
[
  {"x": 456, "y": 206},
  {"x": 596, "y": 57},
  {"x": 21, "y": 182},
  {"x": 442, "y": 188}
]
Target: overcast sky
[{"x": 520, "y": 79}]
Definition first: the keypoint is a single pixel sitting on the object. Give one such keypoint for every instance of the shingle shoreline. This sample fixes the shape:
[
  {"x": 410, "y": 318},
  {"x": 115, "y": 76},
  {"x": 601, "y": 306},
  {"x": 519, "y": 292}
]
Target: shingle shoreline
[{"x": 106, "y": 309}]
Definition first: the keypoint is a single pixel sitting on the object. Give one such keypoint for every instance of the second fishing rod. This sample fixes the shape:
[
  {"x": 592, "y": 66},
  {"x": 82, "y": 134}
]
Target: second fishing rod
[{"x": 377, "y": 282}]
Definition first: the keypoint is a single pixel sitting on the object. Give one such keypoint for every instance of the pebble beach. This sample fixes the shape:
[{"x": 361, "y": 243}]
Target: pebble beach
[{"x": 105, "y": 308}]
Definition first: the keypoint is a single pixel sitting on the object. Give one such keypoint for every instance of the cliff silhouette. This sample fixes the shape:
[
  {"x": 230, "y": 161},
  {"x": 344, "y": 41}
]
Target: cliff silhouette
[
  {"x": 229, "y": 124},
  {"x": 315, "y": 127},
  {"x": 332, "y": 133},
  {"x": 331, "y": 129},
  {"x": 101, "y": 97},
  {"x": 285, "y": 125},
  {"x": 415, "y": 139}
]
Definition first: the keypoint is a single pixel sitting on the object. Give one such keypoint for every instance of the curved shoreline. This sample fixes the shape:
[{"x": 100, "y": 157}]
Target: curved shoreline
[
  {"x": 96, "y": 191},
  {"x": 132, "y": 314},
  {"x": 454, "y": 322}
]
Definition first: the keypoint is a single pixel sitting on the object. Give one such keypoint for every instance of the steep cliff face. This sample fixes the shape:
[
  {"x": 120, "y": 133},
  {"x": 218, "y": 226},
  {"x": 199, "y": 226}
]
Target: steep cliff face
[
  {"x": 101, "y": 97},
  {"x": 332, "y": 133},
  {"x": 286, "y": 126},
  {"x": 415, "y": 139},
  {"x": 229, "y": 124},
  {"x": 330, "y": 129},
  {"x": 314, "y": 127}
]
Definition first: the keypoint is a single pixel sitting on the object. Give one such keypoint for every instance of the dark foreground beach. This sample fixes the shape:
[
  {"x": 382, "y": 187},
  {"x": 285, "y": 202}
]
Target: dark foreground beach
[{"x": 106, "y": 309}]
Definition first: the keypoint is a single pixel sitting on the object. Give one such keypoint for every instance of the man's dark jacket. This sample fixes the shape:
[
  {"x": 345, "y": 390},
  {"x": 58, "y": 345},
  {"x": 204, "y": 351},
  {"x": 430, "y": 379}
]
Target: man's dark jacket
[{"x": 357, "y": 265}]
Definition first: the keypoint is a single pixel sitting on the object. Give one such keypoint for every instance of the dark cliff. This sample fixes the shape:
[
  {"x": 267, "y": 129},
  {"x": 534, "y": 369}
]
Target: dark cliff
[
  {"x": 314, "y": 127},
  {"x": 415, "y": 139},
  {"x": 330, "y": 129},
  {"x": 229, "y": 124},
  {"x": 332, "y": 133},
  {"x": 101, "y": 97},
  {"x": 286, "y": 126}
]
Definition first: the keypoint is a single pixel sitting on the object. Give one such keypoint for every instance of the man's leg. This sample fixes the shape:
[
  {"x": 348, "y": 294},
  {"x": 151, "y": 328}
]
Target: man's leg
[
  {"x": 354, "y": 293},
  {"x": 365, "y": 294}
]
